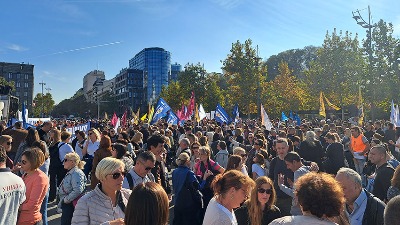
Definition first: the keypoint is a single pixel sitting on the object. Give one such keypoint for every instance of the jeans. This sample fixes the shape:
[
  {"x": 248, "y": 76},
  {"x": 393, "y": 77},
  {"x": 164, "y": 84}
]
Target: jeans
[
  {"x": 56, "y": 176},
  {"x": 67, "y": 213},
  {"x": 349, "y": 158},
  {"x": 43, "y": 208},
  {"x": 88, "y": 166},
  {"x": 360, "y": 165}
]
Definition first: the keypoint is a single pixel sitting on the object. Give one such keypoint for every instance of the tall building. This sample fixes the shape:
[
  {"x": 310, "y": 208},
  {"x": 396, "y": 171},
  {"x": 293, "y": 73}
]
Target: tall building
[
  {"x": 156, "y": 66},
  {"x": 175, "y": 69},
  {"x": 88, "y": 81},
  {"x": 129, "y": 90},
  {"x": 23, "y": 77}
]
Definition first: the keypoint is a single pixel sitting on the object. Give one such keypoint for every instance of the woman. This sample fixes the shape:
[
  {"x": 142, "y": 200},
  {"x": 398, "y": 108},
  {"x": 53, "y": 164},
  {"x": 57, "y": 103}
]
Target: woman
[
  {"x": 260, "y": 208},
  {"x": 72, "y": 186},
  {"x": 103, "y": 152},
  {"x": 31, "y": 137},
  {"x": 242, "y": 153},
  {"x": 137, "y": 141},
  {"x": 90, "y": 146},
  {"x": 204, "y": 141},
  {"x": 231, "y": 189},
  {"x": 56, "y": 170},
  {"x": 347, "y": 152},
  {"x": 119, "y": 151},
  {"x": 394, "y": 189},
  {"x": 148, "y": 205},
  {"x": 334, "y": 154},
  {"x": 194, "y": 150},
  {"x": 188, "y": 200},
  {"x": 81, "y": 138},
  {"x": 37, "y": 184},
  {"x": 234, "y": 163},
  {"x": 258, "y": 167},
  {"x": 311, "y": 149},
  {"x": 6, "y": 141},
  {"x": 106, "y": 203},
  {"x": 320, "y": 197}
]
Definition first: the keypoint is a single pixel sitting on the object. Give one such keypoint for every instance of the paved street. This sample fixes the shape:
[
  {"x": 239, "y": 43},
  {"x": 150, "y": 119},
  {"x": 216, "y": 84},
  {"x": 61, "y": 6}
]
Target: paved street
[{"x": 53, "y": 217}]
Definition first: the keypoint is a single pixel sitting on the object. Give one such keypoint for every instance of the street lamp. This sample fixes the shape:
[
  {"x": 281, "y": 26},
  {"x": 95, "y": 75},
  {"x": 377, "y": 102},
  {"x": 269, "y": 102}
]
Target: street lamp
[
  {"x": 42, "y": 98},
  {"x": 367, "y": 25}
]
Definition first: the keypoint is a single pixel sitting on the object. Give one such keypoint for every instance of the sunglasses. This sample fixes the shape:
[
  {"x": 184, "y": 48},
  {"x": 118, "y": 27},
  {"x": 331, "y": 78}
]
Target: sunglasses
[
  {"x": 262, "y": 191},
  {"x": 66, "y": 160},
  {"x": 9, "y": 143},
  {"x": 147, "y": 168},
  {"x": 195, "y": 147},
  {"x": 117, "y": 175},
  {"x": 23, "y": 162},
  {"x": 90, "y": 133},
  {"x": 243, "y": 155}
]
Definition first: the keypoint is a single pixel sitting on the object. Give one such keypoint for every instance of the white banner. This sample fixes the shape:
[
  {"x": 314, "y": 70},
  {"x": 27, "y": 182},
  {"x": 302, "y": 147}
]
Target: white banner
[{"x": 33, "y": 121}]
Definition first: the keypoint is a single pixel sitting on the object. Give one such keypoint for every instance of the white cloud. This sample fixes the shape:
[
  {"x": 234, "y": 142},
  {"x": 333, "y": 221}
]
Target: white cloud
[{"x": 16, "y": 47}]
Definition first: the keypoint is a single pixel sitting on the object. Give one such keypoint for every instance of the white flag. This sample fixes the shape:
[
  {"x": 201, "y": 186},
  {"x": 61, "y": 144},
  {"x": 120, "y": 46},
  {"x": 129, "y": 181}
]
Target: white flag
[
  {"x": 202, "y": 113},
  {"x": 118, "y": 124},
  {"x": 265, "y": 119}
]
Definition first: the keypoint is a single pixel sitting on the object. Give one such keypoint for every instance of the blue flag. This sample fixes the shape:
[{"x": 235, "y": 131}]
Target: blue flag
[
  {"x": 24, "y": 116},
  {"x": 297, "y": 119},
  {"x": 161, "y": 110},
  {"x": 235, "y": 113},
  {"x": 172, "y": 118},
  {"x": 291, "y": 115},
  {"x": 221, "y": 115},
  {"x": 284, "y": 117}
]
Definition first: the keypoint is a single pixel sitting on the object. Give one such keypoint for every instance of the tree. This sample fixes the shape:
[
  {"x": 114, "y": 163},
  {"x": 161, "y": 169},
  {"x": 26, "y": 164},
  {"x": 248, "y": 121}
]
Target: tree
[
  {"x": 76, "y": 105},
  {"x": 43, "y": 104},
  {"x": 173, "y": 95},
  {"x": 245, "y": 75}
]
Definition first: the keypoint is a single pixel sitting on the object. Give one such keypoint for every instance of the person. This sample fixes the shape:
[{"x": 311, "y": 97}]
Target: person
[
  {"x": 294, "y": 163},
  {"x": 80, "y": 138},
  {"x": 18, "y": 133},
  {"x": 334, "y": 154},
  {"x": 258, "y": 168},
  {"x": 260, "y": 208},
  {"x": 44, "y": 130},
  {"x": 37, "y": 184},
  {"x": 234, "y": 163},
  {"x": 119, "y": 151},
  {"x": 155, "y": 144},
  {"x": 359, "y": 146},
  {"x": 362, "y": 207},
  {"x": 347, "y": 153},
  {"x": 391, "y": 214},
  {"x": 320, "y": 197},
  {"x": 89, "y": 148},
  {"x": 72, "y": 186},
  {"x": 222, "y": 155},
  {"x": 31, "y": 137},
  {"x": 107, "y": 202},
  {"x": 140, "y": 172},
  {"x": 383, "y": 173},
  {"x": 147, "y": 205},
  {"x": 12, "y": 191},
  {"x": 6, "y": 142},
  {"x": 394, "y": 188},
  {"x": 103, "y": 152},
  {"x": 242, "y": 153},
  {"x": 311, "y": 149},
  {"x": 188, "y": 199},
  {"x": 231, "y": 189}
]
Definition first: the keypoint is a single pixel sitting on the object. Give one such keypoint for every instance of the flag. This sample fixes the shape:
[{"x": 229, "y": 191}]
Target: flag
[
  {"x": 191, "y": 107},
  {"x": 291, "y": 115},
  {"x": 235, "y": 113},
  {"x": 202, "y": 113},
  {"x": 162, "y": 109},
  {"x": 172, "y": 118},
  {"x": 393, "y": 117},
  {"x": 117, "y": 124},
  {"x": 143, "y": 117},
  {"x": 330, "y": 104},
  {"x": 123, "y": 119},
  {"x": 196, "y": 114},
  {"x": 114, "y": 120},
  {"x": 296, "y": 117},
  {"x": 105, "y": 116},
  {"x": 265, "y": 119},
  {"x": 24, "y": 115},
  {"x": 284, "y": 117},
  {"x": 221, "y": 115},
  {"x": 150, "y": 115},
  {"x": 321, "y": 105},
  {"x": 360, "y": 108},
  {"x": 135, "y": 118},
  {"x": 397, "y": 114}
]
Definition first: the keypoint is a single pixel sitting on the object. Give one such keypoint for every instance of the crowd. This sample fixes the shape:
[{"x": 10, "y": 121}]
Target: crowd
[{"x": 319, "y": 172}]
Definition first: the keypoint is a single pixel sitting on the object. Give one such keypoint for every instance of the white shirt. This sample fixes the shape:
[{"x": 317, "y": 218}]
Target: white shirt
[
  {"x": 216, "y": 214},
  {"x": 92, "y": 147}
]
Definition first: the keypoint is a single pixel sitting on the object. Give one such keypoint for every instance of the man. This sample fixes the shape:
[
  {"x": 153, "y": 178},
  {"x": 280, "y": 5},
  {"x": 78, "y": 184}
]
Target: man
[
  {"x": 184, "y": 146},
  {"x": 18, "y": 134},
  {"x": 362, "y": 207},
  {"x": 369, "y": 131},
  {"x": 392, "y": 215},
  {"x": 44, "y": 130},
  {"x": 293, "y": 162},
  {"x": 378, "y": 128},
  {"x": 256, "y": 149},
  {"x": 222, "y": 156},
  {"x": 12, "y": 192},
  {"x": 359, "y": 146},
  {"x": 384, "y": 171},
  {"x": 188, "y": 130},
  {"x": 155, "y": 144},
  {"x": 140, "y": 173}
]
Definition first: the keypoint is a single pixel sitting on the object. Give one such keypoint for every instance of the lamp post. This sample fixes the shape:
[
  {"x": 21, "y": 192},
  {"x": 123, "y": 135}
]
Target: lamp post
[
  {"x": 42, "y": 83},
  {"x": 258, "y": 75},
  {"x": 367, "y": 25}
]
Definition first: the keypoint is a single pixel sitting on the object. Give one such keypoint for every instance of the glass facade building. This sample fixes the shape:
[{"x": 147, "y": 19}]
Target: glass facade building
[
  {"x": 175, "y": 69},
  {"x": 129, "y": 90},
  {"x": 156, "y": 66}
]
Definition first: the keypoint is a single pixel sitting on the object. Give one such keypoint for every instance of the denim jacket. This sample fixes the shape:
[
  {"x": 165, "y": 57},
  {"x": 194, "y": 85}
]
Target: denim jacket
[{"x": 73, "y": 184}]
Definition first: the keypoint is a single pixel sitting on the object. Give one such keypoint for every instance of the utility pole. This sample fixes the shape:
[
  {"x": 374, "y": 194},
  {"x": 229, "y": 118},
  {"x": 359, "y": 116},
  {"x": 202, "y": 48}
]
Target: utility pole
[
  {"x": 42, "y": 98},
  {"x": 48, "y": 90}
]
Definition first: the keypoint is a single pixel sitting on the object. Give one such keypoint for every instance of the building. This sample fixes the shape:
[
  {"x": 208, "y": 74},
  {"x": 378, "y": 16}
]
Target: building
[
  {"x": 156, "y": 66},
  {"x": 88, "y": 81},
  {"x": 99, "y": 88},
  {"x": 130, "y": 91},
  {"x": 175, "y": 69},
  {"x": 23, "y": 77}
]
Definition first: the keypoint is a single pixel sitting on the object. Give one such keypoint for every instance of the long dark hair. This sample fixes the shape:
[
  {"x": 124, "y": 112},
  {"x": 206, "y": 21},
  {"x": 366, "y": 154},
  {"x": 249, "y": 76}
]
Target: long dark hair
[{"x": 32, "y": 137}]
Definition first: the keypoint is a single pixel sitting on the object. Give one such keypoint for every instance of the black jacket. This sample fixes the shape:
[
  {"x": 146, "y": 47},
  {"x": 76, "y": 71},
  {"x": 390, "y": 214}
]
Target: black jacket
[{"x": 373, "y": 214}]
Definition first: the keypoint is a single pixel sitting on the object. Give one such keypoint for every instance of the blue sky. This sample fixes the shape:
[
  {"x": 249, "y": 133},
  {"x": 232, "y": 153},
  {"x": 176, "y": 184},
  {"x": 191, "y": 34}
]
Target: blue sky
[{"x": 65, "y": 39}]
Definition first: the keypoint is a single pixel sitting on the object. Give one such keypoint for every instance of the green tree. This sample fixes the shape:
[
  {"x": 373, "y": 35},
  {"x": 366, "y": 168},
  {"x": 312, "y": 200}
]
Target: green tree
[
  {"x": 173, "y": 95},
  {"x": 245, "y": 75},
  {"x": 43, "y": 104}
]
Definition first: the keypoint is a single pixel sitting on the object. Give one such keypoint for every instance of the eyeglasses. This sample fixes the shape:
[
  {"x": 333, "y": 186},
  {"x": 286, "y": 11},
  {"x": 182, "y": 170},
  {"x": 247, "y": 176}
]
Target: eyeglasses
[
  {"x": 66, "y": 160},
  {"x": 262, "y": 191},
  {"x": 9, "y": 143},
  {"x": 117, "y": 175},
  {"x": 243, "y": 155},
  {"x": 90, "y": 133},
  {"x": 251, "y": 137},
  {"x": 23, "y": 162}
]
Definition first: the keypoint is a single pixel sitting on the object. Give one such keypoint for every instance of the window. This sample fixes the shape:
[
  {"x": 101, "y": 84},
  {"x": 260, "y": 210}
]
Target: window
[
  {"x": 16, "y": 93},
  {"x": 10, "y": 75},
  {"x": 26, "y": 76},
  {"x": 25, "y": 94},
  {"x": 18, "y": 84},
  {"x": 26, "y": 85}
]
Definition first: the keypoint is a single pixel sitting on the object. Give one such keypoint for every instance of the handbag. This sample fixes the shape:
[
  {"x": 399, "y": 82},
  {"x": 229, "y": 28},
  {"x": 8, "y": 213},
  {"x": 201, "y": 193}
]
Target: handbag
[{"x": 189, "y": 197}]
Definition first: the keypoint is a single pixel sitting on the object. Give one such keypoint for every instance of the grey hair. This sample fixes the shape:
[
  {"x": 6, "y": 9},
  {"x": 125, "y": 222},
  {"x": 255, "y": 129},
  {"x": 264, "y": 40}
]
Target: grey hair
[
  {"x": 351, "y": 174},
  {"x": 186, "y": 140},
  {"x": 310, "y": 137}
]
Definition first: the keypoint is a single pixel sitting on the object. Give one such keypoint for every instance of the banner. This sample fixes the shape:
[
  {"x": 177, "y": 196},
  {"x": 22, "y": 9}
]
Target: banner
[
  {"x": 202, "y": 113},
  {"x": 172, "y": 118},
  {"x": 330, "y": 104},
  {"x": 150, "y": 114},
  {"x": 82, "y": 127},
  {"x": 221, "y": 115},
  {"x": 265, "y": 119},
  {"x": 123, "y": 119},
  {"x": 114, "y": 120},
  {"x": 284, "y": 117},
  {"x": 360, "y": 108},
  {"x": 321, "y": 105},
  {"x": 162, "y": 109},
  {"x": 191, "y": 107},
  {"x": 34, "y": 121},
  {"x": 235, "y": 113}
]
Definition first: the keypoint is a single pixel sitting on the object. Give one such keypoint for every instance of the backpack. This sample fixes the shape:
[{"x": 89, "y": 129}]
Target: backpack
[
  {"x": 54, "y": 151},
  {"x": 222, "y": 158}
]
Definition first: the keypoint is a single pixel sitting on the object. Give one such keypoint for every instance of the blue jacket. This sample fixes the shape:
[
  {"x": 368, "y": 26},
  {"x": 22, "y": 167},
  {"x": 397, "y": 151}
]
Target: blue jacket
[{"x": 179, "y": 178}]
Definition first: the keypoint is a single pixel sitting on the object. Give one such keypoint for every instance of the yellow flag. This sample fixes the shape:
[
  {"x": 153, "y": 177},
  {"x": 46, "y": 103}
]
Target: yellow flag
[
  {"x": 105, "y": 116},
  {"x": 360, "y": 108},
  {"x": 196, "y": 114},
  {"x": 136, "y": 117},
  {"x": 330, "y": 104},
  {"x": 151, "y": 114},
  {"x": 321, "y": 105},
  {"x": 143, "y": 117}
]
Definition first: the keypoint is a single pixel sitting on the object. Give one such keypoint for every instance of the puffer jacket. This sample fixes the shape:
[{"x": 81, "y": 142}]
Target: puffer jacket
[
  {"x": 72, "y": 186},
  {"x": 96, "y": 208}
]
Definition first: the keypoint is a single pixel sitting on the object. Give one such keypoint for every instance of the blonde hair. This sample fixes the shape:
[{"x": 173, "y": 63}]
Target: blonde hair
[
  {"x": 107, "y": 166},
  {"x": 72, "y": 156},
  {"x": 239, "y": 151}
]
